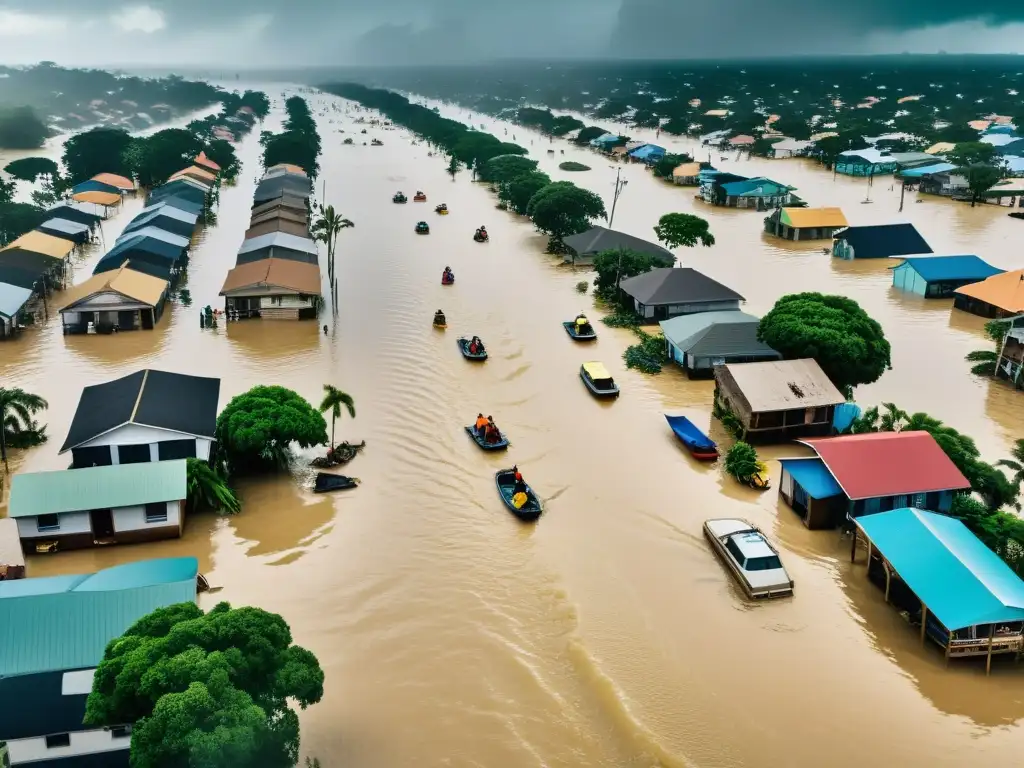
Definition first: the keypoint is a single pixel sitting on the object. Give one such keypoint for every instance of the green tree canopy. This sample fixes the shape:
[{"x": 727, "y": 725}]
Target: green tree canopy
[
  {"x": 206, "y": 489},
  {"x": 541, "y": 119},
  {"x": 563, "y": 209},
  {"x": 518, "y": 192},
  {"x": 849, "y": 346},
  {"x": 588, "y": 134},
  {"x": 18, "y": 428},
  {"x": 206, "y": 689},
  {"x": 18, "y": 218},
  {"x": 676, "y": 229},
  {"x": 258, "y": 102},
  {"x": 741, "y": 461},
  {"x": 504, "y": 168},
  {"x": 31, "y": 168},
  {"x": 613, "y": 266},
  {"x": 677, "y": 126},
  {"x": 564, "y": 124},
  {"x": 21, "y": 128},
  {"x": 155, "y": 158},
  {"x": 971, "y": 153},
  {"x": 257, "y": 428},
  {"x": 101, "y": 150},
  {"x": 668, "y": 163},
  {"x": 980, "y": 179},
  {"x": 222, "y": 152},
  {"x": 957, "y": 133}
]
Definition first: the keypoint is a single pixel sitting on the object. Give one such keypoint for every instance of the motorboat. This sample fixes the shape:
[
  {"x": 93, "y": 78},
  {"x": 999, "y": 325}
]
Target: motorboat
[
  {"x": 477, "y": 357},
  {"x": 419, "y": 197},
  {"x": 584, "y": 333},
  {"x": 697, "y": 443},
  {"x": 422, "y": 228},
  {"x": 398, "y": 197},
  {"x": 505, "y": 479},
  {"x": 598, "y": 380},
  {"x": 500, "y": 445}
]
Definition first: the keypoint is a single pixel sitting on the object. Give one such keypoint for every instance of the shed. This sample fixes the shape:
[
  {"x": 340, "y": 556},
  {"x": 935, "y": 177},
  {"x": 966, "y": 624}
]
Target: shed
[
  {"x": 273, "y": 289},
  {"x": 81, "y": 213},
  {"x": 879, "y": 241},
  {"x": 281, "y": 240},
  {"x": 62, "y": 623},
  {"x": 648, "y": 153},
  {"x": 759, "y": 193},
  {"x": 287, "y": 202},
  {"x": 940, "y": 148},
  {"x": 28, "y": 268},
  {"x": 118, "y": 182},
  {"x": 791, "y": 148},
  {"x": 119, "y": 503},
  {"x": 939, "y": 276},
  {"x": 276, "y": 252},
  {"x": 40, "y": 242},
  {"x": 879, "y": 471},
  {"x": 92, "y": 185},
  {"x": 13, "y": 298},
  {"x": 71, "y": 231},
  {"x": 154, "y": 257},
  {"x": 922, "y": 171},
  {"x": 178, "y": 202},
  {"x": 966, "y": 599},
  {"x": 864, "y": 162},
  {"x": 287, "y": 214},
  {"x": 809, "y": 489},
  {"x": 280, "y": 186},
  {"x": 106, "y": 199},
  {"x": 152, "y": 232},
  {"x": 123, "y": 299},
  {"x": 149, "y": 415},
  {"x": 805, "y": 223},
  {"x": 669, "y": 291},
  {"x": 686, "y": 174},
  {"x": 186, "y": 189},
  {"x": 277, "y": 225},
  {"x": 586, "y": 245},
  {"x": 166, "y": 219},
  {"x": 907, "y": 160},
  {"x": 700, "y": 341},
  {"x": 997, "y": 296},
  {"x": 778, "y": 400}
]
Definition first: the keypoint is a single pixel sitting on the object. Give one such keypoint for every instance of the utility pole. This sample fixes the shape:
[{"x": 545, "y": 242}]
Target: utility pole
[
  {"x": 903, "y": 191},
  {"x": 619, "y": 184}
]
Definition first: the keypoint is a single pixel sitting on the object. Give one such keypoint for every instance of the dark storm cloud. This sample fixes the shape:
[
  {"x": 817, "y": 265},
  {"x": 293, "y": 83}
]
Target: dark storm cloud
[{"x": 247, "y": 33}]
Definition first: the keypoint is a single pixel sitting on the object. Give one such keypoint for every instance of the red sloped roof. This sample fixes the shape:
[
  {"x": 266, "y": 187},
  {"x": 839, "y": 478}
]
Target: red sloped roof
[
  {"x": 202, "y": 159},
  {"x": 887, "y": 464}
]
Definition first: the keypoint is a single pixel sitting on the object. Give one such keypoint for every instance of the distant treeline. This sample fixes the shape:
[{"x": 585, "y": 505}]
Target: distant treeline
[
  {"x": 34, "y": 100},
  {"x": 298, "y": 143},
  {"x": 932, "y": 98},
  {"x": 467, "y": 146}
]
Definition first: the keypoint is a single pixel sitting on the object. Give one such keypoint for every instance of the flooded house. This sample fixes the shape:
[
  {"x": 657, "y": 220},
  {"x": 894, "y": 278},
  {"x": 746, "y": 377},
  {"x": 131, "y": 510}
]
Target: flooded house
[
  {"x": 686, "y": 174},
  {"x": 863, "y": 474},
  {"x": 293, "y": 204},
  {"x": 648, "y": 153},
  {"x": 758, "y": 193},
  {"x": 791, "y": 148},
  {"x": 276, "y": 288},
  {"x": 119, "y": 300},
  {"x": 99, "y": 505},
  {"x": 73, "y": 231},
  {"x": 879, "y": 241},
  {"x": 667, "y": 292},
  {"x": 204, "y": 162},
  {"x": 937, "y": 277},
  {"x": 699, "y": 342},
  {"x": 999, "y": 296},
  {"x": 865, "y": 162},
  {"x": 147, "y": 416},
  {"x": 954, "y": 590},
  {"x": 13, "y": 300},
  {"x": 12, "y": 559},
  {"x": 805, "y": 223},
  {"x": 778, "y": 400},
  {"x": 942, "y": 179},
  {"x": 150, "y": 255},
  {"x": 582, "y": 248},
  {"x": 1010, "y": 363},
  {"x": 166, "y": 218},
  {"x": 277, "y": 224},
  {"x": 56, "y": 630},
  {"x": 278, "y": 244}
]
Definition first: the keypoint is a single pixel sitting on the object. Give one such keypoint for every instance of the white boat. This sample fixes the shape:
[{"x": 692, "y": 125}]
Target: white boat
[{"x": 750, "y": 556}]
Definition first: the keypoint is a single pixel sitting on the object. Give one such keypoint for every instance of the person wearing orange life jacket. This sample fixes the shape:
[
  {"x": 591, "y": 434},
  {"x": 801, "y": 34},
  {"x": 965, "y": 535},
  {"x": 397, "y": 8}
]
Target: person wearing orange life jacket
[{"x": 481, "y": 424}]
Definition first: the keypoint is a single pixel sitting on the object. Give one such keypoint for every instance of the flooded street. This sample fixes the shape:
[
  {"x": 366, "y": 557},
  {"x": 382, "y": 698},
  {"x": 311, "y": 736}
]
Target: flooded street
[{"x": 607, "y": 635}]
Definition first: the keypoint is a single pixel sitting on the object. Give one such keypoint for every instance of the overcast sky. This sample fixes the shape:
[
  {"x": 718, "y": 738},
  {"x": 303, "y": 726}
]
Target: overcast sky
[{"x": 271, "y": 33}]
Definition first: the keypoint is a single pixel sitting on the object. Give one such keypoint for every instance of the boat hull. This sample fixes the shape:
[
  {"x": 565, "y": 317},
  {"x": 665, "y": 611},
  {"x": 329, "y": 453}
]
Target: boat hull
[
  {"x": 602, "y": 393},
  {"x": 699, "y": 445},
  {"x": 504, "y": 479},
  {"x": 464, "y": 349},
  {"x": 570, "y": 328},
  {"x": 501, "y": 445},
  {"x": 326, "y": 482}
]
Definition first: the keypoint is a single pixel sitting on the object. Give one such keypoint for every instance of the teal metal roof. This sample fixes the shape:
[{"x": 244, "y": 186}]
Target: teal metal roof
[
  {"x": 65, "y": 622},
  {"x": 962, "y": 581},
  {"x": 75, "y": 490},
  {"x": 813, "y": 476}
]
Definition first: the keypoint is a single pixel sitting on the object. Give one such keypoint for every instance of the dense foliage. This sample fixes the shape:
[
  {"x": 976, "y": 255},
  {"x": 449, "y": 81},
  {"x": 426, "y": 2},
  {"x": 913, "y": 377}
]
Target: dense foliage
[
  {"x": 678, "y": 229},
  {"x": 206, "y": 689},
  {"x": 31, "y": 168},
  {"x": 298, "y": 144},
  {"x": 665, "y": 165},
  {"x": 207, "y": 489},
  {"x": 850, "y": 346},
  {"x": 741, "y": 461},
  {"x": 21, "y": 128},
  {"x": 517, "y": 193},
  {"x": 570, "y": 165},
  {"x": 648, "y": 354},
  {"x": 153, "y": 159},
  {"x": 257, "y": 428},
  {"x": 18, "y": 427},
  {"x": 101, "y": 150},
  {"x": 616, "y": 265},
  {"x": 562, "y": 209},
  {"x": 18, "y": 218},
  {"x": 504, "y": 168}
]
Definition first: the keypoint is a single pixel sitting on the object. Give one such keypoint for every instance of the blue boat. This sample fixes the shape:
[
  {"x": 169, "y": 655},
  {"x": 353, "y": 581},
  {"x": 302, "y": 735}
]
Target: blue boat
[{"x": 697, "y": 443}]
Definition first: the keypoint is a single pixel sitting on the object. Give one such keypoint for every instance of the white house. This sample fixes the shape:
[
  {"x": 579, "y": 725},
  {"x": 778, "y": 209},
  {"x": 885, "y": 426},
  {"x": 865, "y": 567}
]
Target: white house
[
  {"x": 74, "y": 508},
  {"x": 146, "y": 416}
]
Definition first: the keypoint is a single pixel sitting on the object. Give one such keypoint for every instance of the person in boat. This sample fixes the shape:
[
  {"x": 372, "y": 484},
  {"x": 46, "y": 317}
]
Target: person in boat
[
  {"x": 483, "y": 232},
  {"x": 481, "y": 425},
  {"x": 448, "y": 275},
  {"x": 520, "y": 485},
  {"x": 492, "y": 435},
  {"x": 476, "y": 346},
  {"x": 581, "y": 323},
  {"x": 439, "y": 318}
]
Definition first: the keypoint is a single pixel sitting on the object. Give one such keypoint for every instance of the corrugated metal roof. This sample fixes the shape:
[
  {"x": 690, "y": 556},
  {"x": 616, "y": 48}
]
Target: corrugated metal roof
[
  {"x": 114, "y": 180},
  {"x": 813, "y": 476},
  {"x": 39, "y": 242},
  {"x": 681, "y": 330},
  {"x": 780, "y": 385},
  {"x": 884, "y": 240},
  {"x": 157, "y": 234},
  {"x": 814, "y": 217},
  {"x": 1005, "y": 291},
  {"x": 66, "y": 622},
  {"x": 63, "y": 225},
  {"x": 877, "y": 464},
  {"x": 677, "y": 285},
  {"x": 962, "y": 581},
  {"x": 10, "y": 543},
  {"x": 13, "y": 298},
  {"x": 951, "y": 268},
  {"x": 296, "y": 276},
  {"x": 110, "y": 487},
  {"x": 927, "y": 170},
  {"x": 868, "y": 155},
  {"x": 143, "y": 288},
  {"x": 100, "y": 198},
  {"x": 283, "y": 239}
]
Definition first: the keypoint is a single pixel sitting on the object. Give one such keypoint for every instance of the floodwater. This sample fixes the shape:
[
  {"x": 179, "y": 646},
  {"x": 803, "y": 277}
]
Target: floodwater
[{"x": 608, "y": 634}]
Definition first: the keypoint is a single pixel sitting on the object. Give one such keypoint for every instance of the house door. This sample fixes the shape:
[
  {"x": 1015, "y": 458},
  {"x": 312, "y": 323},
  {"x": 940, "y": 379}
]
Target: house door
[
  {"x": 102, "y": 522},
  {"x": 147, "y": 319}
]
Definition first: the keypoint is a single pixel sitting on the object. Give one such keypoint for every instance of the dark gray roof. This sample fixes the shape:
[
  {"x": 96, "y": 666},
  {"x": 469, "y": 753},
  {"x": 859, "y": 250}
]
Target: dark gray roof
[
  {"x": 879, "y": 241},
  {"x": 725, "y": 339},
  {"x": 597, "y": 239},
  {"x": 670, "y": 285},
  {"x": 151, "y": 398},
  {"x": 42, "y": 709}
]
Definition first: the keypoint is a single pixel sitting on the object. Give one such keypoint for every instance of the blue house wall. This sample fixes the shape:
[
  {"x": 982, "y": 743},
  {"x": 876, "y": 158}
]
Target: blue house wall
[{"x": 906, "y": 278}]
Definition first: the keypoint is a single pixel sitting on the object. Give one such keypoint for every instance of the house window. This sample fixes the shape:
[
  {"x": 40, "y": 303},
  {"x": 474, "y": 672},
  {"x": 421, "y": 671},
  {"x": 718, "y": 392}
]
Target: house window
[
  {"x": 48, "y": 523},
  {"x": 55, "y": 740},
  {"x": 121, "y": 732},
  {"x": 156, "y": 512}
]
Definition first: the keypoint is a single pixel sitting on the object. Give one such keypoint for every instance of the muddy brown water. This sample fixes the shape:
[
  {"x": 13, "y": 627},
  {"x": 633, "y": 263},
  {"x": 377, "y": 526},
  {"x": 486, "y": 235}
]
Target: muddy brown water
[{"x": 607, "y": 635}]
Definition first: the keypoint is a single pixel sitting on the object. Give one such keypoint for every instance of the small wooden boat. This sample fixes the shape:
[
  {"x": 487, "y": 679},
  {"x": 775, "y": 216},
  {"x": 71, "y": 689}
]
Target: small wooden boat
[
  {"x": 419, "y": 197},
  {"x": 481, "y": 237},
  {"x": 598, "y": 380},
  {"x": 399, "y": 198},
  {"x": 477, "y": 357},
  {"x": 376, "y": 143},
  {"x": 697, "y": 443},
  {"x": 440, "y": 322},
  {"x": 589, "y": 334},
  {"x": 501, "y": 445},
  {"x": 505, "y": 479},
  {"x": 750, "y": 557},
  {"x": 422, "y": 228},
  {"x": 326, "y": 482}
]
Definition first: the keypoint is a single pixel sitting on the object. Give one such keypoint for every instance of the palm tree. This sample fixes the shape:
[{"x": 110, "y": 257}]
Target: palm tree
[
  {"x": 334, "y": 398},
  {"x": 1017, "y": 465},
  {"x": 206, "y": 488},
  {"x": 326, "y": 228},
  {"x": 17, "y": 407},
  {"x": 893, "y": 419},
  {"x": 453, "y": 167}
]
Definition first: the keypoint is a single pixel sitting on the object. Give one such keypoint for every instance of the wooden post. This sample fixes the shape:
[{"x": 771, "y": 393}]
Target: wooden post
[
  {"x": 988, "y": 659},
  {"x": 949, "y": 645},
  {"x": 853, "y": 546},
  {"x": 888, "y": 578},
  {"x": 924, "y": 621}
]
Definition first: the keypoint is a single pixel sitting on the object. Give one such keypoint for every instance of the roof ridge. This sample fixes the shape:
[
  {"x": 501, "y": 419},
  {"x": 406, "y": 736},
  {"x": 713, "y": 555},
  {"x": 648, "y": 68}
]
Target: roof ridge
[{"x": 138, "y": 399}]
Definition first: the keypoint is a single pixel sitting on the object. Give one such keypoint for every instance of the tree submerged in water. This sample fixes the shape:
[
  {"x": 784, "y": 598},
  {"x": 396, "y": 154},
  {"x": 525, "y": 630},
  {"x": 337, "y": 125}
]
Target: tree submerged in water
[{"x": 18, "y": 428}]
